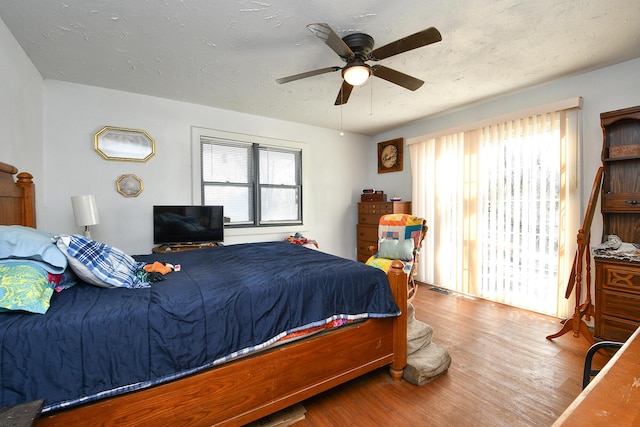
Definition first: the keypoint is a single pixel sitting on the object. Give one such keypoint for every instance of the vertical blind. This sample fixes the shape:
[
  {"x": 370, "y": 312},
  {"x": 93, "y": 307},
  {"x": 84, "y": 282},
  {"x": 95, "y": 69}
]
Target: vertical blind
[
  {"x": 495, "y": 198},
  {"x": 519, "y": 202}
]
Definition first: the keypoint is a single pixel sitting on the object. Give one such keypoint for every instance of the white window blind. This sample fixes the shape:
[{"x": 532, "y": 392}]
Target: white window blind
[
  {"x": 256, "y": 184},
  {"x": 280, "y": 189},
  {"x": 227, "y": 179}
]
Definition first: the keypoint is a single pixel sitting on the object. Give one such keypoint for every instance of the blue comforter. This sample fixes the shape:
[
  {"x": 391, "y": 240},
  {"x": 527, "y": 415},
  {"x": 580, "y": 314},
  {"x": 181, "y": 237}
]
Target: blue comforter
[{"x": 96, "y": 342}]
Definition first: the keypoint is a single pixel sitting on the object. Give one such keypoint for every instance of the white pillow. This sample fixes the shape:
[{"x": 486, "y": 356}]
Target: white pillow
[{"x": 396, "y": 249}]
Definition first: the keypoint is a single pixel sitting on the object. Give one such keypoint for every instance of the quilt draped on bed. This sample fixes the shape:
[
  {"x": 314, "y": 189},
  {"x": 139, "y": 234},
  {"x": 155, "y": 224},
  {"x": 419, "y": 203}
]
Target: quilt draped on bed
[{"x": 225, "y": 301}]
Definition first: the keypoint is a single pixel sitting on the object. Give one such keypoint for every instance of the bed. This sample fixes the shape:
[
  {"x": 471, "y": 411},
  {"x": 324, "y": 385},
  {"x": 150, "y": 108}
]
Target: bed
[{"x": 258, "y": 370}]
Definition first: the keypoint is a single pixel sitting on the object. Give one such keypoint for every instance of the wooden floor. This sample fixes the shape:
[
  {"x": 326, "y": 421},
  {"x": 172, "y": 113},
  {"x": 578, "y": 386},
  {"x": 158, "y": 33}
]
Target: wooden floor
[{"x": 503, "y": 373}]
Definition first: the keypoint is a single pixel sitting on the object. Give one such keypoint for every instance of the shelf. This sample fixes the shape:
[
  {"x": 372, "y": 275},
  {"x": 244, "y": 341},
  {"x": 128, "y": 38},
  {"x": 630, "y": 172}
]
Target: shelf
[
  {"x": 617, "y": 299},
  {"x": 623, "y": 152},
  {"x": 618, "y": 159}
]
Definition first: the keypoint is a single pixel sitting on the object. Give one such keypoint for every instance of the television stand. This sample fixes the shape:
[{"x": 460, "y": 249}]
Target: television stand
[{"x": 181, "y": 247}]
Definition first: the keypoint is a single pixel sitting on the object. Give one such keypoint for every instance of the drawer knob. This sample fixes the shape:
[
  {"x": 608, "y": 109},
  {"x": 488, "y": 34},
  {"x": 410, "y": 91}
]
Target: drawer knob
[{"x": 631, "y": 202}]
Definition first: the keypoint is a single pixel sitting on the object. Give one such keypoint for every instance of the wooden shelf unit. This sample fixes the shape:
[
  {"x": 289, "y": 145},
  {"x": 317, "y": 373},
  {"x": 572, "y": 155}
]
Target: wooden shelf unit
[{"x": 617, "y": 302}]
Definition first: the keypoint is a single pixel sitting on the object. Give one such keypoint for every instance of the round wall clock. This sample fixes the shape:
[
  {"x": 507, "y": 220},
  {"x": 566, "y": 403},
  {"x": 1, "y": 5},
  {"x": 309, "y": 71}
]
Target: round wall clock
[{"x": 390, "y": 155}]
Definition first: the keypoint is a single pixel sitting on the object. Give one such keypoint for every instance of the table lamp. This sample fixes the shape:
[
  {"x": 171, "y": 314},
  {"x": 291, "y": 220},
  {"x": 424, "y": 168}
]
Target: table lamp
[{"x": 85, "y": 211}]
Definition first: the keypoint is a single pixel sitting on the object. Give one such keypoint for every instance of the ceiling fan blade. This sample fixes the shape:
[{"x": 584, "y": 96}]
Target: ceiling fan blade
[
  {"x": 393, "y": 76},
  {"x": 332, "y": 39},
  {"x": 414, "y": 41},
  {"x": 343, "y": 95},
  {"x": 307, "y": 74}
]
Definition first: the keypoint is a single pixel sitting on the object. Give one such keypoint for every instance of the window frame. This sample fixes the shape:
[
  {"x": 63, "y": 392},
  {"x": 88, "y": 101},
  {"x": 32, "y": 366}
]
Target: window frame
[
  {"x": 259, "y": 149},
  {"x": 257, "y": 143}
]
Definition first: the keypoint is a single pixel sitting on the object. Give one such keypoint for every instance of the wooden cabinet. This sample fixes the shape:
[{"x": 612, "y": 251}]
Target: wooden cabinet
[
  {"x": 617, "y": 304},
  {"x": 617, "y": 299},
  {"x": 369, "y": 214}
]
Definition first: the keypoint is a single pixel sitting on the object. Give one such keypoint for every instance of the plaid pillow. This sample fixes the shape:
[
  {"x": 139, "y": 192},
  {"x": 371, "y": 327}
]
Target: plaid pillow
[{"x": 99, "y": 264}]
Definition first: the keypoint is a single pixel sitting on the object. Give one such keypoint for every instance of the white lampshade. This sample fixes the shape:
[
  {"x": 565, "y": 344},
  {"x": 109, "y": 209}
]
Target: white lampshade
[
  {"x": 85, "y": 211},
  {"x": 356, "y": 74}
]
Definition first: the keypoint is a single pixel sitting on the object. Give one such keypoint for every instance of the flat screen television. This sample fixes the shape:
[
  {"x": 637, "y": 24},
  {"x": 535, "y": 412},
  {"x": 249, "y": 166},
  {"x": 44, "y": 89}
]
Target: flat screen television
[{"x": 187, "y": 224}]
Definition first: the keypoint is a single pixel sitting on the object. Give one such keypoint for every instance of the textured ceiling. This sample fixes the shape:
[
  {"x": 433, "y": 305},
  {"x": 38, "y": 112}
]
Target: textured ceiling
[{"x": 228, "y": 54}]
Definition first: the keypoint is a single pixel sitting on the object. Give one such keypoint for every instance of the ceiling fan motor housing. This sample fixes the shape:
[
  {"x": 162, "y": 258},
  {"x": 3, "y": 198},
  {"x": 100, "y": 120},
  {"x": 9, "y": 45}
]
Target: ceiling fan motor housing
[{"x": 360, "y": 44}]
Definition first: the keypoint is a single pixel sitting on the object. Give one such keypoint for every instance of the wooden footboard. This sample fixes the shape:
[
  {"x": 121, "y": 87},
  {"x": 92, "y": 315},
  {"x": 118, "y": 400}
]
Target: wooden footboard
[
  {"x": 255, "y": 386},
  {"x": 245, "y": 389}
]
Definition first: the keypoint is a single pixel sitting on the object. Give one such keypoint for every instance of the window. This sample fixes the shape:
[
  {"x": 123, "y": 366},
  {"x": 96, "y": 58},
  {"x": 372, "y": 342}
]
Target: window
[
  {"x": 279, "y": 183},
  {"x": 500, "y": 200},
  {"x": 257, "y": 184}
]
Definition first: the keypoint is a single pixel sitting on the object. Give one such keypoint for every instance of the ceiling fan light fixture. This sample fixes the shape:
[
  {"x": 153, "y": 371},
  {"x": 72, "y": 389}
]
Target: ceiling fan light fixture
[
  {"x": 356, "y": 49},
  {"x": 356, "y": 74}
]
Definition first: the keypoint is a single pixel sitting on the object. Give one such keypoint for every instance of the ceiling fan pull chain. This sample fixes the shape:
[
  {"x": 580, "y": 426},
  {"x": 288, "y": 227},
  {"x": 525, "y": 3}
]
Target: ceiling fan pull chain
[
  {"x": 371, "y": 99},
  {"x": 341, "y": 106}
]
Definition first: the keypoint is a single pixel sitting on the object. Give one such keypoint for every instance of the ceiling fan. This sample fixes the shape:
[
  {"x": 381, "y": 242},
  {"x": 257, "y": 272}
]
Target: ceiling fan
[{"x": 357, "y": 48}]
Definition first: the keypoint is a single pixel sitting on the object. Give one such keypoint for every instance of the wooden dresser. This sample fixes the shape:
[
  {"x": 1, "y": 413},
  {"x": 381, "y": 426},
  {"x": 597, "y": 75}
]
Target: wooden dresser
[
  {"x": 617, "y": 299},
  {"x": 369, "y": 214}
]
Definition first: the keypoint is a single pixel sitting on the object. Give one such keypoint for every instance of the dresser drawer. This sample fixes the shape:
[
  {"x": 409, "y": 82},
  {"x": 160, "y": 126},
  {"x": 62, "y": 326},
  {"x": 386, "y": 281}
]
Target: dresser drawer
[
  {"x": 363, "y": 246},
  {"x": 621, "y": 202},
  {"x": 369, "y": 218},
  {"x": 363, "y": 250},
  {"x": 362, "y": 257},
  {"x": 367, "y": 233},
  {"x": 614, "y": 329},
  {"x": 379, "y": 208},
  {"x": 619, "y": 304},
  {"x": 621, "y": 277}
]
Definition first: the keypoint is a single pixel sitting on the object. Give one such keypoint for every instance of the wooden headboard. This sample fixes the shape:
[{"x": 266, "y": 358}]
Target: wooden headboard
[{"x": 17, "y": 197}]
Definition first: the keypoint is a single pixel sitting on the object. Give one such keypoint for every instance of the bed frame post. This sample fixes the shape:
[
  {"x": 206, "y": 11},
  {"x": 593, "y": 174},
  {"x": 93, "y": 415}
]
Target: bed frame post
[
  {"x": 17, "y": 199},
  {"x": 25, "y": 182},
  {"x": 398, "y": 283}
]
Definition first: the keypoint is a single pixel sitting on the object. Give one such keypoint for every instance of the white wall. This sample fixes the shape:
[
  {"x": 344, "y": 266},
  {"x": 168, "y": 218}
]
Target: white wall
[
  {"x": 334, "y": 172},
  {"x": 48, "y": 128},
  {"x": 21, "y": 114},
  {"x": 607, "y": 89}
]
